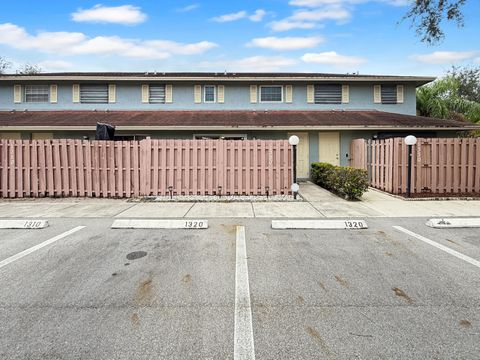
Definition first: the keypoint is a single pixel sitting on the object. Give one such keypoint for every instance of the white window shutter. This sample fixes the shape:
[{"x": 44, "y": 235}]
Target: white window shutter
[
  {"x": 221, "y": 94},
  {"x": 377, "y": 94},
  {"x": 112, "y": 93},
  {"x": 168, "y": 94},
  {"x": 310, "y": 94},
  {"x": 288, "y": 94},
  {"x": 197, "y": 94},
  {"x": 400, "y": 94},
  {"x": 253, "y": 93},
  {"x": 345, "y": 94},
  {"x": 17, "y": 94},
  {"x": 76, "y": 93},
  {"x": 53, "y": 94},
  {"x": 145, "y": 94}
]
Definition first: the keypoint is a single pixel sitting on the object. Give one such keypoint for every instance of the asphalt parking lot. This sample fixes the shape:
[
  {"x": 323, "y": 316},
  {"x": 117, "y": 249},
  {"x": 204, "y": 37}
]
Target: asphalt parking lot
[{"x": 102, "y": 293}]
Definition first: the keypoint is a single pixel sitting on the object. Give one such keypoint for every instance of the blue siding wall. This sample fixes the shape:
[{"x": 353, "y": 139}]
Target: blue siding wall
[{"x": 237, "y": 97}]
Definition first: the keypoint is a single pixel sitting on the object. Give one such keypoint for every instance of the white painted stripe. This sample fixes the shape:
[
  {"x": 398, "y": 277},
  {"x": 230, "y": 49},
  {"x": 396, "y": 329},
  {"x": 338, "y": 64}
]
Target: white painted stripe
[
  {"x": 243, "y": 336},
  {"x": 38, "y": 247},
  {"x": 23, "y": 224},
  {"x": 320, "y": 224},
  {"x": 160, "y": 224},
  {"x": 453, "y": 223},
  {"x": 440, "y": 246}
]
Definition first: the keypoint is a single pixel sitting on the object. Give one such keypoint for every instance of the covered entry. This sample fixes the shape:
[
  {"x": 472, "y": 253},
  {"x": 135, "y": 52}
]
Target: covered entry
[
  {"x": 329, "y": 147},
  {"x": 303, "y": 155}
]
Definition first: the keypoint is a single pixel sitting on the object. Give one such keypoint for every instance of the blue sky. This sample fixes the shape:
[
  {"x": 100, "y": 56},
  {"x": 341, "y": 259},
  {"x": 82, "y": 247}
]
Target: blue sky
[{"x": 276, "y": 35}]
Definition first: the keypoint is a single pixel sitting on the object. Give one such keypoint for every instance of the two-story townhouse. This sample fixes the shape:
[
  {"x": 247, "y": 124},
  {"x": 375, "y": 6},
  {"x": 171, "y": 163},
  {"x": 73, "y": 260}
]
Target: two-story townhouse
[{"x": 326, "y": 111}]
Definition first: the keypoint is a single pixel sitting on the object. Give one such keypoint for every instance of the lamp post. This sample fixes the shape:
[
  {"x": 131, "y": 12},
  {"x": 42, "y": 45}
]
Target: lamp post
[
  {"x": 294, "y": 140},
  {"x": 410, "y": 140}
]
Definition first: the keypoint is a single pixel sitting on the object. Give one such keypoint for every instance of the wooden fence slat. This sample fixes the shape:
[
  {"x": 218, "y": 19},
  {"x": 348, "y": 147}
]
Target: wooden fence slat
[{"x": 440, "y": 166}]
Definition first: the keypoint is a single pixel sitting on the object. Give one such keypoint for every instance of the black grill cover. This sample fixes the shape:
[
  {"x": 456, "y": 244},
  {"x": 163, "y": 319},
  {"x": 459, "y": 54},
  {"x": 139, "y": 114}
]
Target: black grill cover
[{"x": 105, "y": 132}]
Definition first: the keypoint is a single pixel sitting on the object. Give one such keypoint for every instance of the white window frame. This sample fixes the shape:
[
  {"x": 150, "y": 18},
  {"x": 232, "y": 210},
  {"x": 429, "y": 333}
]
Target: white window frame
[
  {"x": 270, "y": 102},
  {"x": 244, "y": 136},
  {"x": 214, "y": 94},
  {"x": 35, "y": 102}
]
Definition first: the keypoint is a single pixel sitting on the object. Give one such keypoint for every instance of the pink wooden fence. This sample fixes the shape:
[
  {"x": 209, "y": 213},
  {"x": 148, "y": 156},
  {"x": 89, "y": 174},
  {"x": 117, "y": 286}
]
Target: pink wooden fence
[
  {"x": 59, "y": 168},
  {"x": 439, "y": 166}
]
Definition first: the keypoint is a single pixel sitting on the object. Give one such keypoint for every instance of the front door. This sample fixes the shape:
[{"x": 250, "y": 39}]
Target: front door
[
  {"x": 329, "y": 147},
  {"x": 303, "y": 155}
]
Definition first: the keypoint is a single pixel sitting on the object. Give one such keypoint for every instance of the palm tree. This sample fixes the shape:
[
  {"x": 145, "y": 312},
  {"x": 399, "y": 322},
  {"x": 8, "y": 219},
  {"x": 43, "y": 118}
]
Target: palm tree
[{"x": 442, "y": 100}]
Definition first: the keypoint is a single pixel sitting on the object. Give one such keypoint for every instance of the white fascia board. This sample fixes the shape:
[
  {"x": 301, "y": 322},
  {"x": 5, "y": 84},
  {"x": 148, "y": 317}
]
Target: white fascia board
[{"x": 217, "y": 78}]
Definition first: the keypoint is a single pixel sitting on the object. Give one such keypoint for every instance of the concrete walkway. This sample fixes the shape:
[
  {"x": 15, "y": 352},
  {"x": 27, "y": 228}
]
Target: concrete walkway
[{"x": 318, "y": 203}]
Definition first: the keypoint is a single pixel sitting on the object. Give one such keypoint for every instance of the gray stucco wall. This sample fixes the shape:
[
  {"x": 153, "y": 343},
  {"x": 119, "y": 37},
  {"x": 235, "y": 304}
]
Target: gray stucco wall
[{"x": 237, "y": 97}]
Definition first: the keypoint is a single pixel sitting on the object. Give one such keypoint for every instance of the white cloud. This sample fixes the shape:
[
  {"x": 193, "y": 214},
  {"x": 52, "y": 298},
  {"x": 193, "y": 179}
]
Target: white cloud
[
  {"x": 230, "y": 17},
  {"x": 125, "y": 15},
  {"x": 258, "y": 15},
  {"x": 188, "y": 8},
  {"x": 319, "y": 3},
  {"x": 330, "y": 13},
  {"x": 55, "y": 65},
  {"x": 252, "y": 64},
  {"x": 332, "y": 58},
  {"x": 315, "y": 3},
  {"x": 65, "y": 43},
  {"x": 285, "y": 25},
  {"x": 179, "y": 48},
  {"x": 444, "y": 57},
  {"x": 286, "y": 43},
  {"x": 309, "y": 18}
]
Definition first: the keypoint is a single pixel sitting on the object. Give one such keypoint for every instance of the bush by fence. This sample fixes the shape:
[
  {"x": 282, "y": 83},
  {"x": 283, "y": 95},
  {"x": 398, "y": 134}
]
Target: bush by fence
[{"x": 343, "y": 180}]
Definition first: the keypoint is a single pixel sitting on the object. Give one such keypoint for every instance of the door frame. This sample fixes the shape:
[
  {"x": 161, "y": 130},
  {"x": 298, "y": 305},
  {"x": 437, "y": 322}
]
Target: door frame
[
  {"x": 307, "y": 134},
  {"x": 339, "y": 145}
]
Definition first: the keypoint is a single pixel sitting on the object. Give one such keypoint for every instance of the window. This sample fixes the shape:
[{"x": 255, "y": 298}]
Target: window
[
  {"x": 209, "y": 93},
  {"x": 220, "y": 136},
  {"x": 37, "y": 93},
  {"x": 389, "y": 94},
  {"x": 157, "y": 94},
  {"x": 328, "y": 94},
  {"x": 271, "y": 93},
  {"x": 94, "y": 94}
]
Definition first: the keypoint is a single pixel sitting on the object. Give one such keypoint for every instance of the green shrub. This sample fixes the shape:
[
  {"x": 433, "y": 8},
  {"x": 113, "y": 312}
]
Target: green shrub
[{"x": 343, "y": 180}]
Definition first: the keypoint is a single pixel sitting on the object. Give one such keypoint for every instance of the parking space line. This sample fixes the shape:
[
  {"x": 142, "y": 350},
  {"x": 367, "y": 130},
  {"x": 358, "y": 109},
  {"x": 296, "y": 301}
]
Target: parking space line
[
  {"x": 38, "y": 247},
  {"x": 243, "y": 336},
  {"x": 439, "y": 246}
]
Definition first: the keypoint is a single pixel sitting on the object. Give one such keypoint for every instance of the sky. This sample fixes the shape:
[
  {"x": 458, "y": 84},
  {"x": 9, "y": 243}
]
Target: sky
[{"x": 333, "y": 36}]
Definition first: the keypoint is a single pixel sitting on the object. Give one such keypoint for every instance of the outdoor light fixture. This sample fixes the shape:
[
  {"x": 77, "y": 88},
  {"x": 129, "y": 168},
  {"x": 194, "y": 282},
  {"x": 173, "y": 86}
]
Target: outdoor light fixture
[
  {"x": 410, "y": 140},
  {"x": 294, "y": 140},
  {"x": 295, "y": 187}
]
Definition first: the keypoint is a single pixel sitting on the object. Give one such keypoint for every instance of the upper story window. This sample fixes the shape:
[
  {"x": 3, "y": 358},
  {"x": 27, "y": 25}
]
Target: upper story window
[
  {"x": 37, "y": 93},
  {"x": 94, "y": 93},
  {"x": 328, "y": 94},
  {"x": 389, "y": 94},
  {"x": 271, "y": 93},
  {"x": 209, "y": 93},
  {"x": 156, "y": 94}
]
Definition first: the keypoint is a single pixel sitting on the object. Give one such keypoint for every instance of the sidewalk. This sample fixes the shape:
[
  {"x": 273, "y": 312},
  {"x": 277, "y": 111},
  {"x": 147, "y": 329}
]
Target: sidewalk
[{"x": 318, "y": 203}]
